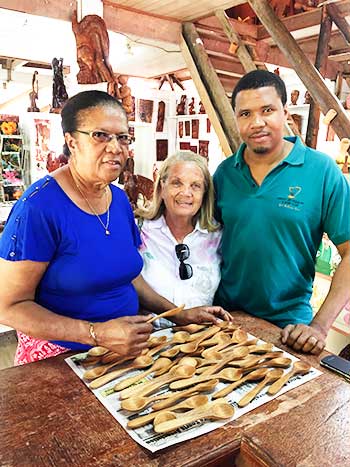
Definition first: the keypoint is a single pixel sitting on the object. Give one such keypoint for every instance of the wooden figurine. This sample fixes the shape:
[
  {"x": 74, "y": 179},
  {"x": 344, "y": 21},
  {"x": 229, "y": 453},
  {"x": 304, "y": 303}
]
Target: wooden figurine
[
  {"x": 307, "y": 97},
  {"x": 294, "y": 96},
  {"x": 201, "y": 108},
  {"x": 181, "y": 106},
  {"x": 191, "y": 109},
  {"x": 161, "y": 115},
  {"x": 34, "y": 94},
  {"x": 59, "y": 92}
]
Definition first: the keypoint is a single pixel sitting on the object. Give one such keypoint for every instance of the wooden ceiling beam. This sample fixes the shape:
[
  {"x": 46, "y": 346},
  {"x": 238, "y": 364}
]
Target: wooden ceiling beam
[
  {"x": 242, "y": 28},
  {"x": 305, "y": 20},
  {"x": 339, "y": 20},
  {"x": 305, "y": 70}
]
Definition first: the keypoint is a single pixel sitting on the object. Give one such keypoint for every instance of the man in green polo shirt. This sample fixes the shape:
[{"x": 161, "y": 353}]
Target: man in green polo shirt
[{"x": 275, "y": 198}]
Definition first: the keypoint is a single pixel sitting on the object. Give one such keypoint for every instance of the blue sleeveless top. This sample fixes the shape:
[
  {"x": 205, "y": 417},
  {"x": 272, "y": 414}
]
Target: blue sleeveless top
[{"x": 89, "y": 273}]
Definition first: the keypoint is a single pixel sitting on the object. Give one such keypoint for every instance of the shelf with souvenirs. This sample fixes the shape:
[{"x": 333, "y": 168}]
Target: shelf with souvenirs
[{"x": 12, "y": 159}]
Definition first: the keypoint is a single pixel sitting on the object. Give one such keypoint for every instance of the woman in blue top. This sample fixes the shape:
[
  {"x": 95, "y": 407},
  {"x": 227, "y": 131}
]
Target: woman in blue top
[{"x": 69, "y": 261}]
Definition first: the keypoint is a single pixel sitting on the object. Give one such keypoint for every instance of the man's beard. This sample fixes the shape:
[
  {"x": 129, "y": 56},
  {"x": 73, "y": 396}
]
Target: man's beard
[{"x": 260, "y": 150}]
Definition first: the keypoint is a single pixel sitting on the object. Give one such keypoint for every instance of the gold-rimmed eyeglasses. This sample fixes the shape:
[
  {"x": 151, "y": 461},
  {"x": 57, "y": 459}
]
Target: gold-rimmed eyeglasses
[{"x": 103, "y": 137}]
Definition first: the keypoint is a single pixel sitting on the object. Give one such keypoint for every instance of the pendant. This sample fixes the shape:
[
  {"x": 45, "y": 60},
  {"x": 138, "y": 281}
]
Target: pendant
[{"x": 108, "y": 232}]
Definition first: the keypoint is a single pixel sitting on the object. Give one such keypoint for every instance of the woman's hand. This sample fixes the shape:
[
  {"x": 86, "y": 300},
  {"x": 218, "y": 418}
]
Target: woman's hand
[
  {"x": 303, "y": 338},
  {"x": 125, "y": 336},
  {"x": 202, "y": 314}
]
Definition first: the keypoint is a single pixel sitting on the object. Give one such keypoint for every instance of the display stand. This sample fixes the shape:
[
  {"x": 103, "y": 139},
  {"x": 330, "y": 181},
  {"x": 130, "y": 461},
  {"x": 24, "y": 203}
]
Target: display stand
[{"x": 12, "y": 167}]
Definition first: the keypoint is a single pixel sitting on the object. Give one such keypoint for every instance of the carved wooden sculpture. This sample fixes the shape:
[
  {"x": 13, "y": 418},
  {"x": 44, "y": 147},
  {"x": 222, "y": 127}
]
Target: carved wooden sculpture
[
  {"x": 34, "y": 94},
  {"x": 93, "y": 52},
  {"x": 59, "y": 92}
]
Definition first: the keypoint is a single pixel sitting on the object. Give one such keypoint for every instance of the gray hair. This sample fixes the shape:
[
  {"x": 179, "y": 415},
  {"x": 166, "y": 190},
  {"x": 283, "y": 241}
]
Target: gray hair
[{"x": 206, "y": 212}]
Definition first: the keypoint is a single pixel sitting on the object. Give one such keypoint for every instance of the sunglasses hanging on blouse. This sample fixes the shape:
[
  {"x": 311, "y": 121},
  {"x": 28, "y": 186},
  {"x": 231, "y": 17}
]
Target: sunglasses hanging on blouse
[{"x": 183, "y": 252}]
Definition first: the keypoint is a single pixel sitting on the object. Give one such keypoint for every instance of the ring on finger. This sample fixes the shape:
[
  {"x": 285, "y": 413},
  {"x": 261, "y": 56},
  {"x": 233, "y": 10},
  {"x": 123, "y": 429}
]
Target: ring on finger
[{"x": 312, "y": 340}]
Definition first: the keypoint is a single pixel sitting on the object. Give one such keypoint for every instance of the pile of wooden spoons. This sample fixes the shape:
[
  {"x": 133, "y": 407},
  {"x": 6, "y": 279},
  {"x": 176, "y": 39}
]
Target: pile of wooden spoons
[{"x": 174, "y": 379}]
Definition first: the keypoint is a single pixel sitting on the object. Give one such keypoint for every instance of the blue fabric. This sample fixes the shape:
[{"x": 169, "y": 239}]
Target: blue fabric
[
  {"x": 89, "y": 273},
  {"x": 272, "y": 232}
]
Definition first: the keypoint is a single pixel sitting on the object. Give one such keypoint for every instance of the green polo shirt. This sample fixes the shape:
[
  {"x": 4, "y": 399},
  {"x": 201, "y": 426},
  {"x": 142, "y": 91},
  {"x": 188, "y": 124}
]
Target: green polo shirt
[{"x": 272, "y": 232}]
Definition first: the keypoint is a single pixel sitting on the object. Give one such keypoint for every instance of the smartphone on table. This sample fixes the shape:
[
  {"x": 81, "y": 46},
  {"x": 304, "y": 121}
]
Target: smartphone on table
[{"x": 337, "y": 364}]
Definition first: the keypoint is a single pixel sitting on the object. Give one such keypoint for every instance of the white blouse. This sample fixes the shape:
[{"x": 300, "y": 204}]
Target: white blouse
[{"x": 161, "y": 265}]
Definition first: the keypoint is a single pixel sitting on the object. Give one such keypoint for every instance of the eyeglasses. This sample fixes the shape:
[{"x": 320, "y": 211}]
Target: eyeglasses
[
  {"x": 183, "y": 252},
  {"x": 104, "y": 137}
]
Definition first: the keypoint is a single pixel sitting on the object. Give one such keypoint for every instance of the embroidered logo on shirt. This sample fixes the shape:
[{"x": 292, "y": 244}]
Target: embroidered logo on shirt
[
  {"x": 294, "y": 191},
  {"x": 290, "y": 202}
]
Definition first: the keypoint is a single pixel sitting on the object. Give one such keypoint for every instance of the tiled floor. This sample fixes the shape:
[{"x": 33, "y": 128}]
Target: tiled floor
[{"x": 8, "y": 344}]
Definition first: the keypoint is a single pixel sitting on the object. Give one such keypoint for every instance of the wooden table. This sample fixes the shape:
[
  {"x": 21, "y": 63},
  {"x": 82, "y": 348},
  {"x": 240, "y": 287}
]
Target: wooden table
[{"x": 48, "y": 417}]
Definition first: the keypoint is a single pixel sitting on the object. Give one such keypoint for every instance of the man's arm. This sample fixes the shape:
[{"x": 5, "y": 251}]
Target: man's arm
[{"x": 312, "y": 338}]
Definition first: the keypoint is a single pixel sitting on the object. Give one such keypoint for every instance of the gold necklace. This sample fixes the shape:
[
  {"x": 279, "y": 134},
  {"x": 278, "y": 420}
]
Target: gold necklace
[{"x": 105, "y": 226}]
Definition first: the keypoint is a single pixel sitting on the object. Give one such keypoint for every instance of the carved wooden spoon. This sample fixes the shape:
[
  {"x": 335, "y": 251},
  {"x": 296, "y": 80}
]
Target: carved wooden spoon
[
  {"x": 177, "y": 372},
  {"x": 270, "y": 377},
  {"x": 166, "y": 314},
  {"x": 299, "y": 367},
  {"x": 191, "y": 403},
  {"x": 137, "y": 403},
  {"x": 279, "y": 362},
  {"x": 140, "y": 362},
  {"x": 216, "y": 410},
  {"x": 253, "y": 376},
  {"x": 97, "y": 351},
  {"x": 193, "y": 346},
  {"x": 162, "y": 364},
  {"x": 98, "y": 371},
  {"x": 227, "y": 374}
]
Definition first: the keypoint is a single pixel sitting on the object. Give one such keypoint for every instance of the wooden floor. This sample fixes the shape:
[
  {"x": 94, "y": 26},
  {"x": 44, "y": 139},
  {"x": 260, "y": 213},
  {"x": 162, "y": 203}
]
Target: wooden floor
[{"x": 8, "y": 344}]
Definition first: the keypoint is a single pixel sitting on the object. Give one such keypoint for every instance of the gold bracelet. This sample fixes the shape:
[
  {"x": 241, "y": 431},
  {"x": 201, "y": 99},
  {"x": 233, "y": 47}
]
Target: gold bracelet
[{"x": 92, "y": 333}]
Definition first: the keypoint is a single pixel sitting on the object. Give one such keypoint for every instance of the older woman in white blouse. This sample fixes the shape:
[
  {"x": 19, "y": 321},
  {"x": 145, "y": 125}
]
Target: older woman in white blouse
[{"x": 181, "y": 241}]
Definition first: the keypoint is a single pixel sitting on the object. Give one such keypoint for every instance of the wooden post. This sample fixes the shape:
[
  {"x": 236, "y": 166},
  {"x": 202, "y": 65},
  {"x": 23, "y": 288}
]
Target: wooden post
[
  {"x": 242, "y": 51},
  {"x": 320, "y": 64},
  {"x": 306, "y": 71},
  {"x": 216, "y": 101},
  {"x": 340, "y": 21}
]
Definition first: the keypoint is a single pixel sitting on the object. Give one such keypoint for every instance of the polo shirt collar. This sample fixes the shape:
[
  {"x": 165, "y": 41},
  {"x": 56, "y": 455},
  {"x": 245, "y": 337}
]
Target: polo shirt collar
[{"x": 295, "y": 157}]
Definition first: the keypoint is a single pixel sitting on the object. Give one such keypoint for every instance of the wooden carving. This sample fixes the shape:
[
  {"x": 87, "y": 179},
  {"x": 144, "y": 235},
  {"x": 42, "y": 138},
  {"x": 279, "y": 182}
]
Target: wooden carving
[
  {"x": 59, "y": 92},
  {"x": 93, "y": 52},
  {"x": 136, "y": 185},
  {"x": 161, "y": 115},
  {"x": 34, "y": 94}
]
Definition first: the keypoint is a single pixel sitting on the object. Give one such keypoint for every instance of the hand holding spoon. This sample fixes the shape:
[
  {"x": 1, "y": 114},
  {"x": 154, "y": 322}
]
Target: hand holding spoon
[{"x": 299, "y": 367}]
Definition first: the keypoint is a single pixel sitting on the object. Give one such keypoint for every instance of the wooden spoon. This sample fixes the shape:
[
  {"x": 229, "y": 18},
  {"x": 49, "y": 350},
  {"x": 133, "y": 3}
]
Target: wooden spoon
[
  {"x": 238, "y": 337},
  {"x": 156, "y": 340},
  {"x": 193, "y": 346},
  {"x": 270, "y": 377},
  {"x": 191, "y": 403},
  {"x": 98, "y": 371},
  {"x": 201, "y": 387},
  {"x": 177, "y": 372},
  {"x": 252, "y": 360},
  {"x": 168, "y": 313},
  {"x": 162, "y": 364},
  {"x": 215, "y": 410},
  {"x": 236, "y": 354},
  {"x": 220, "y": 338},
  {"x": 227, "y": 374},
  {"x": 190, "y": 328},
  {"x": 137, "y": 403},
  {"x": 280, "y": 362},
  {"x": 299, "y": 367},
  {"x": 97, "y": 351},
  {"x": 140, "y": 362},
  {"x": 253, "y": 376},
  {"x": 263, "y": 348}
]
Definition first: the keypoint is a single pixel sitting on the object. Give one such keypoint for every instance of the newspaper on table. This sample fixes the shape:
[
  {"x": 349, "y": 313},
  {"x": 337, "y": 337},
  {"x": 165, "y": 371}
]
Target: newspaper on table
[{"x": 147, "y": 437}]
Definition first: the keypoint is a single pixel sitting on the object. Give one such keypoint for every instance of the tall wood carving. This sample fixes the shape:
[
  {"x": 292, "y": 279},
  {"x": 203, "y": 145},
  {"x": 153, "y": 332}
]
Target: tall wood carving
[{"x": 93, "y": 52}]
